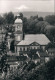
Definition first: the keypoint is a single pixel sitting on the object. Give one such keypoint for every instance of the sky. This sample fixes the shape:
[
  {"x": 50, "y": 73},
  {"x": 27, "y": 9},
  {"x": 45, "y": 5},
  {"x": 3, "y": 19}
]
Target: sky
[{"x": 26, "y": 5}]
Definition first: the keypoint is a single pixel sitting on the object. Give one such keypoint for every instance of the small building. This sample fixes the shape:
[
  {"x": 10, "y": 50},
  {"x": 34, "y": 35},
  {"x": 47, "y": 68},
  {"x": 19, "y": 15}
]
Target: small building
[
  {"x": 51, "y": 52},
  {"x": 44, "y": 57},
  {"x": 12, "y": 62},
  {"x": 35, "y": 58}
]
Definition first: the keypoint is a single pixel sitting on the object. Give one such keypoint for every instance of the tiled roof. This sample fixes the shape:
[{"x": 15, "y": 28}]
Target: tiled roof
[{"x": 30, "y": 38}]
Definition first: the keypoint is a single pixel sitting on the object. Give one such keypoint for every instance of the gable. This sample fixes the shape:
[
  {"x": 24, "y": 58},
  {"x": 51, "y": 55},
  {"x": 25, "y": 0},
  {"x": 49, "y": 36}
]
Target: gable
[{"x": 34, "y": 44}]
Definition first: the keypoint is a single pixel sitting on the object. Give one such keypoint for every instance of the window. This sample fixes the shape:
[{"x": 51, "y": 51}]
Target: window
[
  {"x": 24, "y": 48},
  {"x": 20, "y": 49},
  {"x": 27, "y": 49}
]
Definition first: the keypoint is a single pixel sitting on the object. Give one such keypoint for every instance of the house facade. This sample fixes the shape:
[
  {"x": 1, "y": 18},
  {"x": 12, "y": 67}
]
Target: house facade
[{"x": 32, "y": 42}]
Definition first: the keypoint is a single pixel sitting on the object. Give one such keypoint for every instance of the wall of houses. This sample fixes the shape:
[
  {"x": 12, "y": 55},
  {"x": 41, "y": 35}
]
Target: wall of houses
[{"x": 26, "y": 48}]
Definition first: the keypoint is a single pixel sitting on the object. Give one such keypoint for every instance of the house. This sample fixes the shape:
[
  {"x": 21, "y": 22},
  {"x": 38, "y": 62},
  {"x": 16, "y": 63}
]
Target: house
[
  {"x": 34, "y": 57},
  {"x": 38, "y": 56},
  {"x": 30, "y": 42},
  {"x": 44, "y": 57},
  {"x": 14, "y": 61},
  {"x": 51, "y": 52}
]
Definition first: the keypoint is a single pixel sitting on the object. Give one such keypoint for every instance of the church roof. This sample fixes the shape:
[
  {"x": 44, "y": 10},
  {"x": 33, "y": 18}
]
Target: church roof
[
  {"x": 18, "y": 20},
  {"x": 30, "y": 38}
]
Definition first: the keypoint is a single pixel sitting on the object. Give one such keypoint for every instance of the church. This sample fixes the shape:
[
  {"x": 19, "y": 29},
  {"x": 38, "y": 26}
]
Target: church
[{"x": 30, "y": 41}]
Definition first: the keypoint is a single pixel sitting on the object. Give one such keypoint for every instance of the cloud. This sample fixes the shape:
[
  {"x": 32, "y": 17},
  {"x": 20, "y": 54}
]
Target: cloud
[{"x": 22, "y": 8}]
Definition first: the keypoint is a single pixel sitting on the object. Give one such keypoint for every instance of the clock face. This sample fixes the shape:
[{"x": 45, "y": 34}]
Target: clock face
[{"x": 18, "y": 28}]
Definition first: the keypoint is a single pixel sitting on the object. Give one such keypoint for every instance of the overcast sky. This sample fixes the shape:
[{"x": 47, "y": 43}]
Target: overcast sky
[{"x": 26, "y": 5}]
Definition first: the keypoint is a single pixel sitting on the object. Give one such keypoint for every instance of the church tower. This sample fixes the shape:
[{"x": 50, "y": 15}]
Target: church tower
[{"x": 18, "y": 29}]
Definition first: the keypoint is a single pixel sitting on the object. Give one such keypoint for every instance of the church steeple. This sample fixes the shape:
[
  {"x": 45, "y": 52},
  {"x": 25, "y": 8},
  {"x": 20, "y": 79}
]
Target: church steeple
[
  {"x": 18, "y": 20},
  {"x": 18, "y": 29}
]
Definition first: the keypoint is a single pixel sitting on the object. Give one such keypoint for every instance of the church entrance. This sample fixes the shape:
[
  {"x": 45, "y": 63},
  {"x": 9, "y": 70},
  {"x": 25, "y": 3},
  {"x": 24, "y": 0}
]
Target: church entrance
[{"x": 12, "y": 47}]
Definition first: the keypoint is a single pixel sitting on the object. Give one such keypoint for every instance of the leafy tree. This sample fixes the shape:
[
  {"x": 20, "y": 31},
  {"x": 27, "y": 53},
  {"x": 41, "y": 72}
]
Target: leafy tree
[
  {"x": 50, "y": 19},
  {"x": 50, "y": 32},
  {"x": 31, "y": 28},
  {"x": 40, "y": 18},
  {"x": 50, "y": 45},
  {"x": 1, "y": 20},
  {"x": 40, "y": 26},
  {"x": 34, "y": 17},
  {"x": 9, "y": 18},
  {"x": 21, "y": 16},
  {"x": 3, "y": 61},
  {"x": 24, "y": 24}
]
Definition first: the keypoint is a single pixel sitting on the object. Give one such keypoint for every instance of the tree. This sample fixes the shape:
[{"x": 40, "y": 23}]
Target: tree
[
  {"x": 21, "y": 16},
  {"x": 31, "y": 28},
  {"x": 50, "y": 32},
  {"x": 1, "y": 20},
  {"x": 9, "y": 18},
  {"x": 40, "y": 18},
  {"x": 34, "y": 17},
  {"x": 50, "y": 19},
  {"x": 41, "y": 26},
  {"x": 50, "y": 45}
]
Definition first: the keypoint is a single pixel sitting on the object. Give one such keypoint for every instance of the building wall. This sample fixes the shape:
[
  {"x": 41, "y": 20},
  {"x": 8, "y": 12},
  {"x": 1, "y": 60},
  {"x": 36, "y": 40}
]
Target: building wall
[
  {"x": 18, "y": 37},
  {"x": 26, "y": 49},
  {"x": 43, "y": 47},
  {"x": 18, "y": 26}
]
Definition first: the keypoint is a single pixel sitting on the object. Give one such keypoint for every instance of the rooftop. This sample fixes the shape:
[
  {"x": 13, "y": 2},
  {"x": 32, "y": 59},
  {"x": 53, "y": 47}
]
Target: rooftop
[{"x": 38, "y": 38}]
